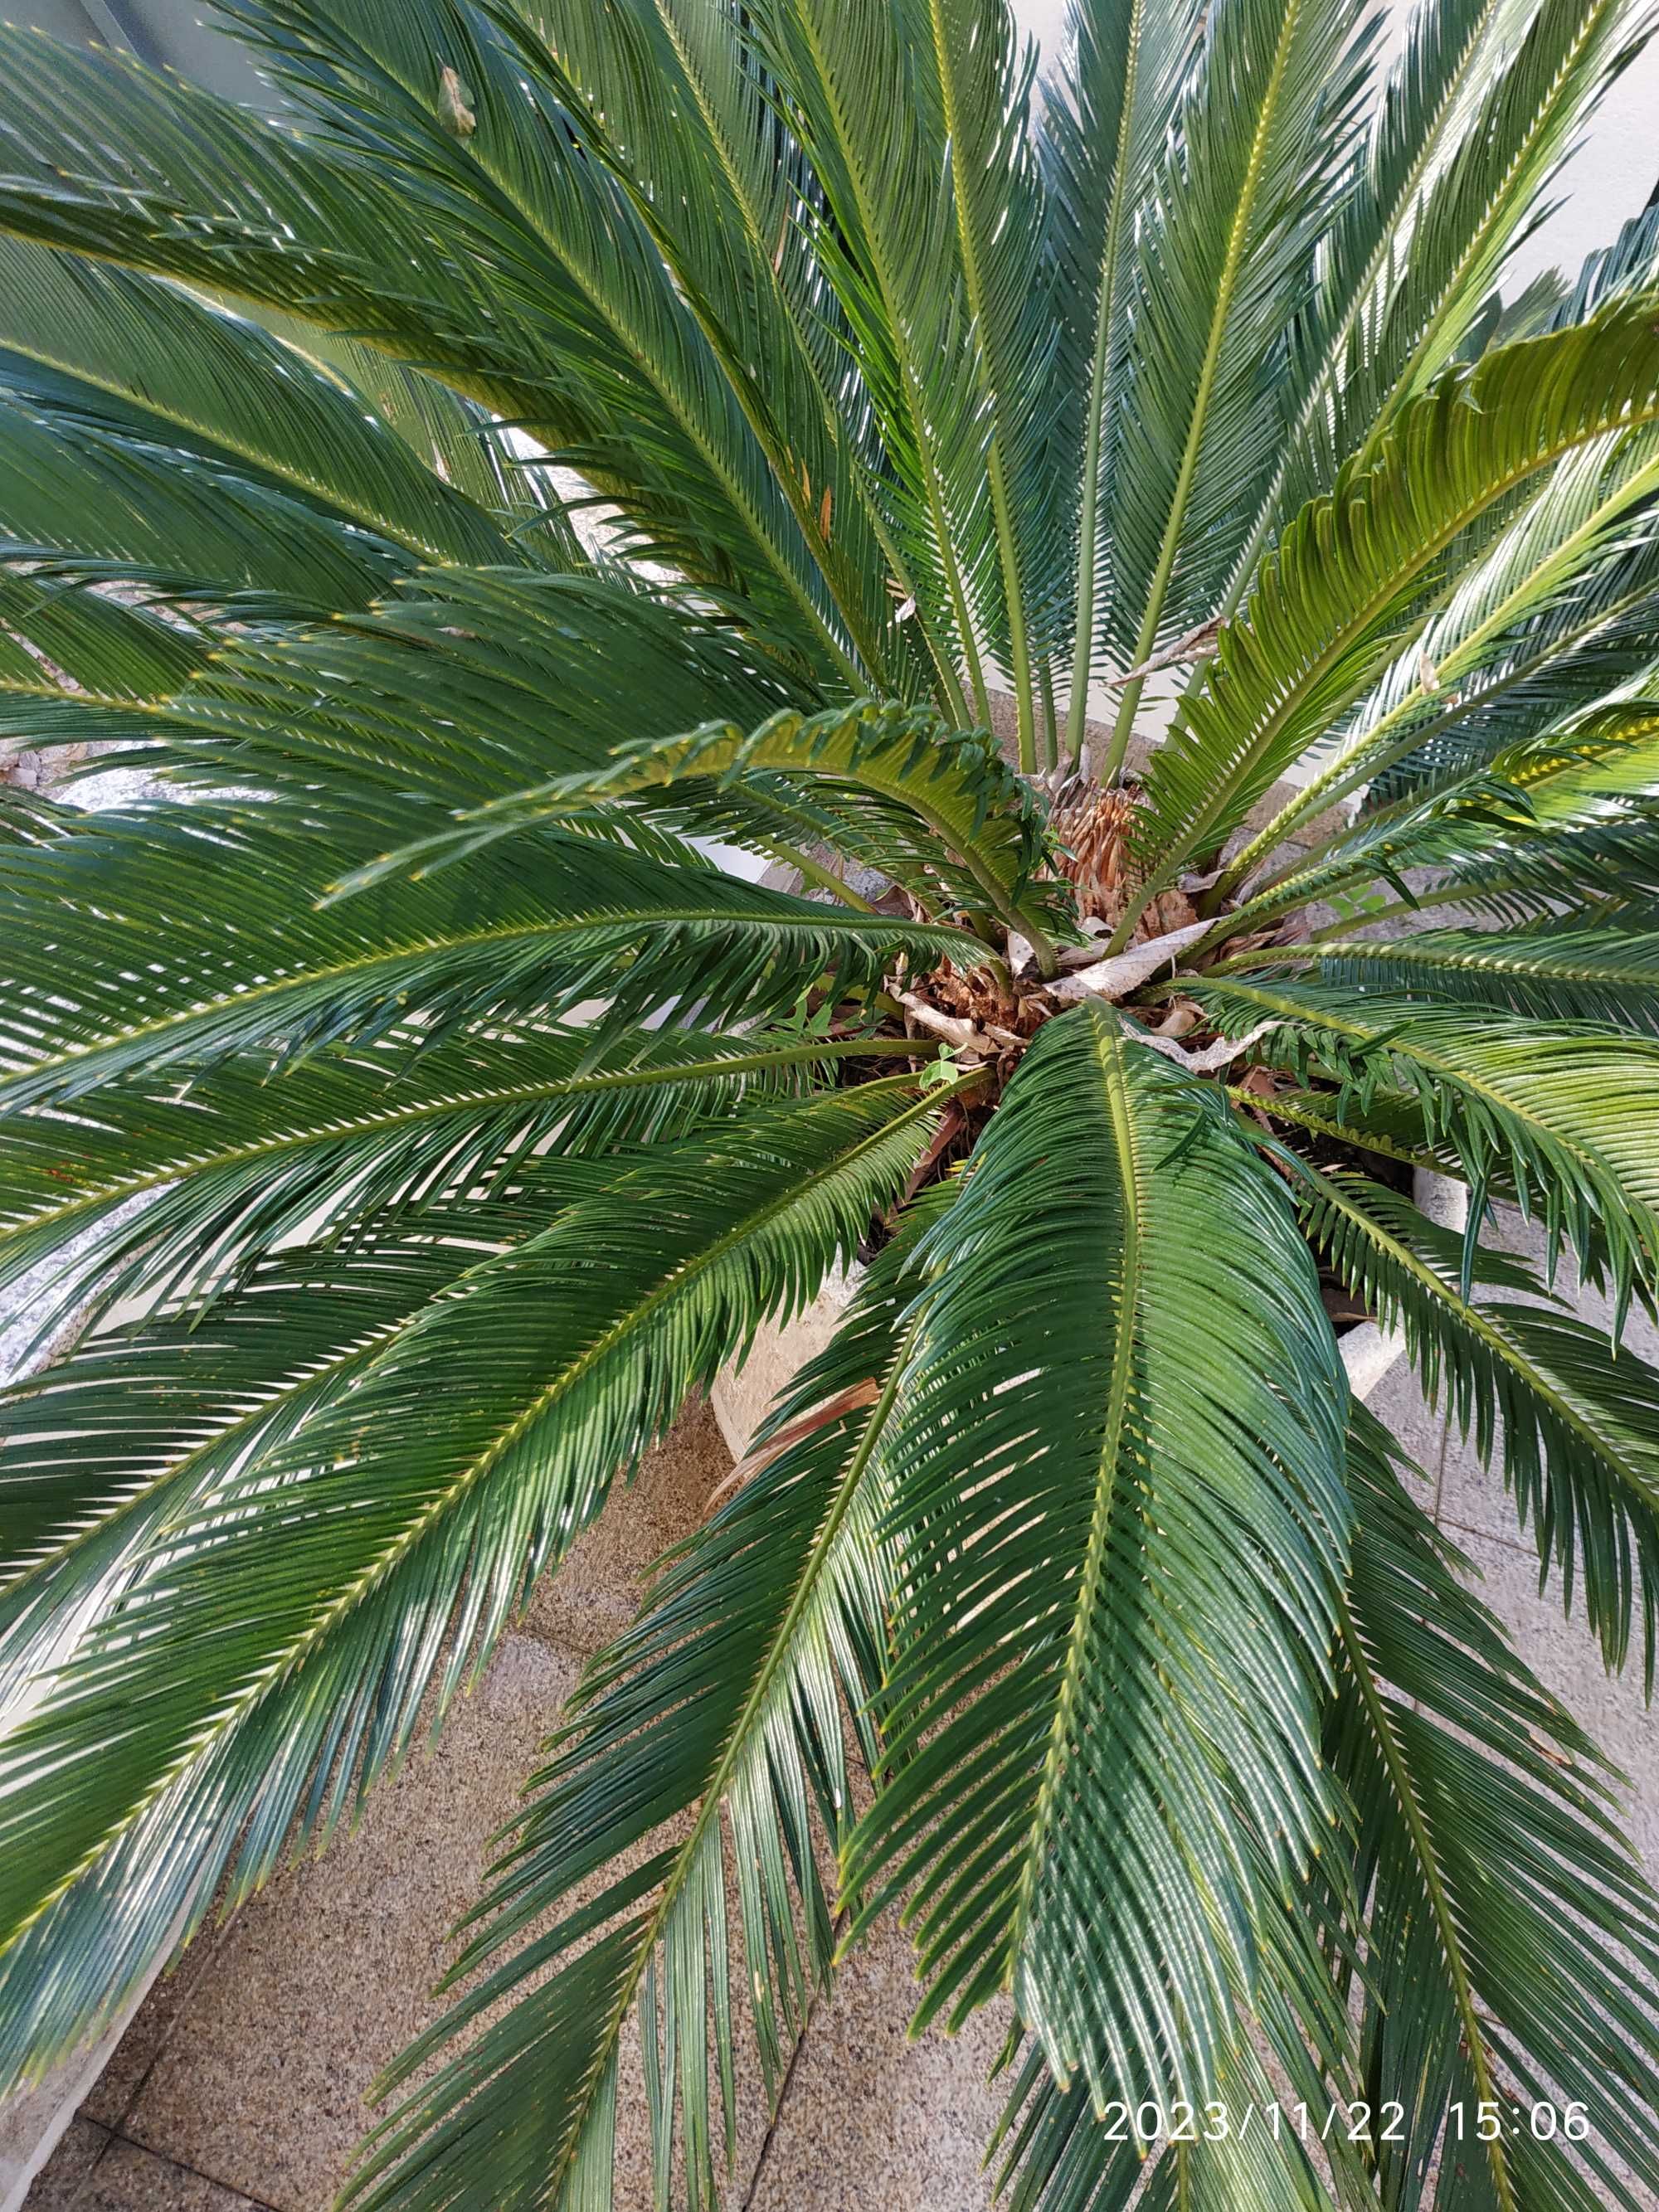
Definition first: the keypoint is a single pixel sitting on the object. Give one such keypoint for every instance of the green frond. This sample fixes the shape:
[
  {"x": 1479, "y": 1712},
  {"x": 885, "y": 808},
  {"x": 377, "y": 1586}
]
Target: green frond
[
  {"x": 234, "y": 1164},
  {"x": 1503, "y": 1911},
  {"x": 1483, "y": 105},
  {"x": 467, "y": 446},
  {"x": 1326, "y": 616},
  {"x": 1116, "y": 1504},
  {"x": 1591, "y": 872},
  {"x": 979, "y": 825},
  {"x": 995, "y": 187},
  {"x": 1596, "y": 639},
  {"x": 1454, "y": 50},
  {"x": 1608, "y": 975},
  {"x": 1104, "y": 130},
  {"x": 129, "y": 1433},
  {"x": 1572, "y": 1418},
  {"x": 406, "y": 1106},
  {"x": 73, "y": 662},
  {"x": 105, "y": 505},
  {"x": 1570, "y": 1114},
  {"x": 464, "y": 687},
  {"x": 727, "y": 1706},
  {"x": 1061, "y": 2157},
  {"x": 668, "y": 104},
  {"x": 1489, "y": 192},
  {"x": 1256, "y": 158},
  {"x": 649, "y": 389},
  {"x": 239, "y": 955},
  {"x": 410, "y": 1519},
  {"x": 511, "y": 268},
  {"x": 882, "y": 230},
  {"x": 1534, "y": 570},
  {"x": 1560, "y": 817},
  {"x": 87, "y": 345}
]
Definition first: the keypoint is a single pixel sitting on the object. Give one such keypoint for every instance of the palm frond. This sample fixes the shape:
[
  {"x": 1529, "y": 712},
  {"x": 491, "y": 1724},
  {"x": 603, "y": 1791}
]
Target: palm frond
[
  {"x": 1485, "y": 103},
  {"x": 1224, "y": 248},
  {"x": 74, "y": 660},
  {"x": 502, "y": 262},
  {"x": 1454, "y": 50},
  {"x": 231, "y": 1164},
  {"x": 1482, "y": 202},
  {"x": 1567, "y": 1112},
  {"x": 671, "y": 107},
  {"x": 406, "y": 1540},
  {"x": 995, "y": 187},
  {"x": 1576, "y": 1415},
  {"x": 1327, "y": 615},
  {"x": 105, "y": 507},
  {"x": 1105, "y": 124},
  {"x": 1595, "y": 638},
  {"x": 1087, "y": 1588},
  {"x": 560, "y": 229},
  {"x": 1565, "y": 811},
  {"x": 980, "y": 826},
  {"x": 239, "y": 955},
  {"x": 1502, "y": 1909},
  {"x": 462, "y": 688},
  {"x": 1609, "y": 975},
  {"x": 86, "y": 344},
  {"x": 1060, "y": 2157},
  {"x": 1586, "y": 512},
  {"x": 883, "y": 232}
]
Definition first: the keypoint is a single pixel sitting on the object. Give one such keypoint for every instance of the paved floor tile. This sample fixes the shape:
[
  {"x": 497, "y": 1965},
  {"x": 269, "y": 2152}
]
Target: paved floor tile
[
  {"x": 871, "y": 2121},
  {"x": 598, "y": 1590},
  {"x": 327, "y": 1975},
  {"x": 93, "y": 2171},
  {"x": 61, "y": 2180}
]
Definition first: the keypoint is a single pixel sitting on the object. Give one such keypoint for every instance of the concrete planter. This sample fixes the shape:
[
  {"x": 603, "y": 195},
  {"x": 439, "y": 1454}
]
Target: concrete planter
[{"x": 742, "y": 1394}]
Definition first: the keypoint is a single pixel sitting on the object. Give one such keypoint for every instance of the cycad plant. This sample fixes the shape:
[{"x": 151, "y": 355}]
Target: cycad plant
[{"x": 411, "y": 1103}]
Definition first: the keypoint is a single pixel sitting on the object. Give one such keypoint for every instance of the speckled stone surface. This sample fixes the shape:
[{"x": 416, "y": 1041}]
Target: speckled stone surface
[
  {"x": 326, "y": 1975},
  {"x": 95, "y": 2171},
  {"x": 872, "y": 2122},
  {"x": 65, "y": 2177},
  {"x": 598, "y": 1590}
]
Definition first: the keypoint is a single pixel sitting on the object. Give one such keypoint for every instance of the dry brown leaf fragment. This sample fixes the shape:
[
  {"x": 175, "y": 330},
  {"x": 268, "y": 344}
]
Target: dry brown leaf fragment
[
  {"x": 756, "y": 1463},
  {"x": 455, "y": 109}
]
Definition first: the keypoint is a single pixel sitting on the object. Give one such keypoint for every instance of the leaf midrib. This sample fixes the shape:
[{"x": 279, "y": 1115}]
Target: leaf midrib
[
  {"x": 859, "y": 925},
  {"x": 457, "y": 1102},
  {"x": 1109, "y": 1050}
]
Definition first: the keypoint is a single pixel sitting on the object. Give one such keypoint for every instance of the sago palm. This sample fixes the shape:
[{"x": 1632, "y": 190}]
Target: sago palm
[{"x": 413, "y": 1105}]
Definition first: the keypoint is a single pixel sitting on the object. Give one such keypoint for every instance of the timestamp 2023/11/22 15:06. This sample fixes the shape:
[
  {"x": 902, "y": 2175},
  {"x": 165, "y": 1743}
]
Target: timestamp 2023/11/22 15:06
[{"x": 1354, "y": 2119}]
